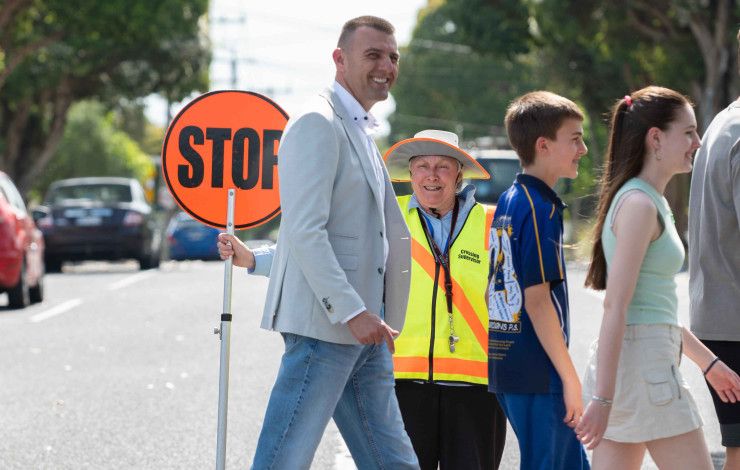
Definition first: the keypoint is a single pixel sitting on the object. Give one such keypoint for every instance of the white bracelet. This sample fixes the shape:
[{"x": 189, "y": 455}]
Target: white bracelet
[{"x": 602, "y": 401}]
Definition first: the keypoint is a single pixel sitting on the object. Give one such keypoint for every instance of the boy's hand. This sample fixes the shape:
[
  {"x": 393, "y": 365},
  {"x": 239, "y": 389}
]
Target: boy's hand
[
  {"x": 573, "y": 402},
  {"x": 591, "y": 428}
]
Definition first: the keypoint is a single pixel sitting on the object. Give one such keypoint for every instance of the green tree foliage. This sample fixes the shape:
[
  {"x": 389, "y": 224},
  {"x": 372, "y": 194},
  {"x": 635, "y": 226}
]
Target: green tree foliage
[
  {"x": 130, "y": 118},
  {"x": 93, "y": 146},
  {"x": 462, "y": 80},
  {"x": 601, "y": 50},
  {"x": 446, "y": 84},
  {"x": 56, "y": 52},
  {"x": 596, "y": 51}
]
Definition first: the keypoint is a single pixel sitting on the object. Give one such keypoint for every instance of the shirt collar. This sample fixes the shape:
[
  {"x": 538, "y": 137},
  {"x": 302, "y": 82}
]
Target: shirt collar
[
  {"x": 542, "y": 187},
  {"x": 364, "y": 119},
  {"x": 414, "y": 204}
]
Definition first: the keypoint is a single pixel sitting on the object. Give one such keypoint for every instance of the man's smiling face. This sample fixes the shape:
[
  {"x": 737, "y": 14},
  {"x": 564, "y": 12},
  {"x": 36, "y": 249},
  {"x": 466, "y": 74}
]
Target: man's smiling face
[{"x": 367, "y": 66}]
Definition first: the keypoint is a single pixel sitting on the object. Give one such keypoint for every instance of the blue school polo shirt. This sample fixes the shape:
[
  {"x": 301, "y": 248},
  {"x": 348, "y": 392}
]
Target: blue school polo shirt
[{"x": 526, "y": 249}]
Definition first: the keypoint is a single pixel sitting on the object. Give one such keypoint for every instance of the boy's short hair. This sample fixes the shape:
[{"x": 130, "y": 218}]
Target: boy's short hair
[{"x": 534, "y": 115}]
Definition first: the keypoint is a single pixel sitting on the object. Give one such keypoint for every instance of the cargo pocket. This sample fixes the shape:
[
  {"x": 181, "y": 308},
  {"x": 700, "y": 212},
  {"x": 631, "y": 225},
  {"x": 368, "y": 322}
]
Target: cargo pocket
[{"x": 659, "y": 387}]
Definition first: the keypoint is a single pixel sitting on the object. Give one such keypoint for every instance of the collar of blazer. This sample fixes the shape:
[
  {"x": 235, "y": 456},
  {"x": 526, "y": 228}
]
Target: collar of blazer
[{"x": 356, "y": 140}]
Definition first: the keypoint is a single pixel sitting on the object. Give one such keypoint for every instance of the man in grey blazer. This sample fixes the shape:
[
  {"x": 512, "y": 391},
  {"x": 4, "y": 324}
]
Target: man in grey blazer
[{"x": 340, "y": 272}]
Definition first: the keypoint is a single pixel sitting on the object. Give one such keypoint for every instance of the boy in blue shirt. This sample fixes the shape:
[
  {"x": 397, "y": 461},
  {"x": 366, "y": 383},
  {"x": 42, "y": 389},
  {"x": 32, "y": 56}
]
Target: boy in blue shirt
[{"x": 529, "y": 367}]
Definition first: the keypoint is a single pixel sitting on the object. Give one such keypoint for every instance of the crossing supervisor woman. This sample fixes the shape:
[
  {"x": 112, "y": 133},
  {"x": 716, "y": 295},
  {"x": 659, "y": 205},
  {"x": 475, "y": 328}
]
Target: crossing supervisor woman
[{"x": 440, "y": 363}]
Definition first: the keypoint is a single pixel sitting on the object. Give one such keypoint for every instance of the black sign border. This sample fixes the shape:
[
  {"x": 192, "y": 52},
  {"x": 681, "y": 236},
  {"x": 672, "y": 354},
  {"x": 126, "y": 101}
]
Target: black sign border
[{"x": 256, "y": 223}]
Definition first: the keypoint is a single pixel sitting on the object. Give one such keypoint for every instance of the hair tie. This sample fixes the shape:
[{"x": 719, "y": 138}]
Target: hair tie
[{"x": 628, "y": 100}]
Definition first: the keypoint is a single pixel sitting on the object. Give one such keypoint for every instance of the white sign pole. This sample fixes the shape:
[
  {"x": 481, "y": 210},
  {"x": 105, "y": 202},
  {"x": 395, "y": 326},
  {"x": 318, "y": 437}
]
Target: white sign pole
[{"x": 225, "y": 335}]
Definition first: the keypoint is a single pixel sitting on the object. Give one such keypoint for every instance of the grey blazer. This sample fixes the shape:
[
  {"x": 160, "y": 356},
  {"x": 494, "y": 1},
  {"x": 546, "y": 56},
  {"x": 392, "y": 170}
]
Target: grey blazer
[{"x": 328, "y": 261}]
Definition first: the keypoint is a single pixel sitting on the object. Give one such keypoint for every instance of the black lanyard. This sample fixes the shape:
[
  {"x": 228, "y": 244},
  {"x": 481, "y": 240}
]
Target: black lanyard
[{"x": 442, "y": 257}]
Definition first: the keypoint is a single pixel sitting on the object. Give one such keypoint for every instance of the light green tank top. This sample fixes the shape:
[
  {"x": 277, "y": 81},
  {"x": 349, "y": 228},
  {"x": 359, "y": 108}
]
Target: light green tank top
[{"x": 655, "y": 299}]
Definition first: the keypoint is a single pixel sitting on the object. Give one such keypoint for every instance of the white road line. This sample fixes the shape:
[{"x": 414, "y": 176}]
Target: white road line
[
  {"x": 127, "y": 281},
  {"x": 57, "y": 310}
]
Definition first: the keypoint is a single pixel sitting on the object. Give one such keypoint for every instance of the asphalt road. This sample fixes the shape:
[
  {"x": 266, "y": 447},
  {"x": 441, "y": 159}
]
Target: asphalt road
[
  {"x": 118, "y": 369},
  {"x": 124, "y": 374}
]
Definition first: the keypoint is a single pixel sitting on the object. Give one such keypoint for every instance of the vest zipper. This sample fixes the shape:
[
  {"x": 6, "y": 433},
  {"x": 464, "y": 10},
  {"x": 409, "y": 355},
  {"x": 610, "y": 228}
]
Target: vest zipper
[
  {"x": 436, "y": 285},
  {"x": 434, "y": 322}
]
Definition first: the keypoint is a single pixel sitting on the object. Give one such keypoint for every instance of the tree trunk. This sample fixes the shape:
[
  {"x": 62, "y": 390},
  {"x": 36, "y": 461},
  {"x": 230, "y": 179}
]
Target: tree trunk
[
  {"x": 50, "y": 145},
  {"x": 713, "y": 44},
  {"x": 60, "y": 106},
  {"x": 14, "y": 138}
]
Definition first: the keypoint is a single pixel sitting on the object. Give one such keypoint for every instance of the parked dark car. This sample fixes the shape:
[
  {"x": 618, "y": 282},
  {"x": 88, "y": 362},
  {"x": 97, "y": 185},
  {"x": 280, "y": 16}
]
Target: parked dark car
[
  {"x": 189, "y": 239},
  {"x": 21, "y": 249},
  {"x": 98, "y": 218},
  {"x": 503, "y": 165}
]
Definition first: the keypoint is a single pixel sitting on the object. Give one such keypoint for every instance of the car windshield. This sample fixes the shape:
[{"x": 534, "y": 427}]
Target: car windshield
[
  {"x": 109, "y": 193},
  {"x": 503, "y": 173}
]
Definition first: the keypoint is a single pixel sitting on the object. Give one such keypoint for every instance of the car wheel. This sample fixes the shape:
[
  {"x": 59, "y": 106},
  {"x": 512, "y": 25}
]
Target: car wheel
[
  {"x": 156, "y": 258},
  {"x": 36, "y": 293},
  {"x": 53, "y": 265},
  {"x": 150, "y": 260},
  {"x": 145, "y": 261},
  {"x": 19, "y": 295}
]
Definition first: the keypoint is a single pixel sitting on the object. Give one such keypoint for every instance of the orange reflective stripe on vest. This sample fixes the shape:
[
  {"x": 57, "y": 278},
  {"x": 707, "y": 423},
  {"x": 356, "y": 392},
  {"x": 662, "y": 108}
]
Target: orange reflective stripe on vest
[
  {"x": 459, "y": 299},
  {"x": 490, "y": 211},
  {"x": 442, "y": 365}
]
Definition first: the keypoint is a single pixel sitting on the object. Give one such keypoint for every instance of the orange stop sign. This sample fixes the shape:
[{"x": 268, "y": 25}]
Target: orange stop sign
[{"x": 223, "y": 140}]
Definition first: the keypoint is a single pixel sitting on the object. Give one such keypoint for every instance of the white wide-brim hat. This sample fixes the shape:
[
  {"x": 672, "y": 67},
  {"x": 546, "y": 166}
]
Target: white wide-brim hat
[{"x": 430, "y": 142}]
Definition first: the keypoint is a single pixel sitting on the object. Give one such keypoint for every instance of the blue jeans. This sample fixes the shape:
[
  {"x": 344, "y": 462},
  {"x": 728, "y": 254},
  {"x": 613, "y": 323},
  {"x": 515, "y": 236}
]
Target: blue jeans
[{"x": 353, "y": 384}]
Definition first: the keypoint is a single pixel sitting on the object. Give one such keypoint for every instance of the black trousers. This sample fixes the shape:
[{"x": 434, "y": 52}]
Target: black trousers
[{"x": 455, "y": 427}]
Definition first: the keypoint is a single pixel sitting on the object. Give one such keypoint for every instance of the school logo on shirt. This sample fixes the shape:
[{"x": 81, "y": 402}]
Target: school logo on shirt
[{"x": 504, "y": 293}]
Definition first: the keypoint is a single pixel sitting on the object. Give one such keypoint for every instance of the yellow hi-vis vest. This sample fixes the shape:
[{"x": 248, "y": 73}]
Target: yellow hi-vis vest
[{"x": 423, "y": 348}]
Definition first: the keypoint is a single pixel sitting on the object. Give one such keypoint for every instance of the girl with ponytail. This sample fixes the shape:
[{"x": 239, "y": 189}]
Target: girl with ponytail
[{"x": 636, "y": 397}]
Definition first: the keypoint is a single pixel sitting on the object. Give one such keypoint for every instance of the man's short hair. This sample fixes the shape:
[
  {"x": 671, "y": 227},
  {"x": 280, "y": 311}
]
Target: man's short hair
[
  {"x": 534, "y": 115},
  {"x": 370, "y": 21}
]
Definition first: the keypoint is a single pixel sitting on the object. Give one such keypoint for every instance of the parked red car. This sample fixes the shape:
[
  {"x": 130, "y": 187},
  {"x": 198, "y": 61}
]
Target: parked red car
[{"x": 21, "y": 249}]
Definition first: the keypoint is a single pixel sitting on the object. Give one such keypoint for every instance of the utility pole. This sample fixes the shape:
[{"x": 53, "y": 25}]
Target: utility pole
[{"x": 230, "y": 42}]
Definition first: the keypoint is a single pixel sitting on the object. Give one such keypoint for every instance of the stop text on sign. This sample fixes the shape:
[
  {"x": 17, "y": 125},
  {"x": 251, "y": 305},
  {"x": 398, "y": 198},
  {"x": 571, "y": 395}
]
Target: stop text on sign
[{"x": 260, "y": 156}]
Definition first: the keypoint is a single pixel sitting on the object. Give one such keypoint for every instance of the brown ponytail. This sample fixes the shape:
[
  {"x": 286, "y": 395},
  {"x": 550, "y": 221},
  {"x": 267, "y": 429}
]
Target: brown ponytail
[{"x": 631, "y": 118}]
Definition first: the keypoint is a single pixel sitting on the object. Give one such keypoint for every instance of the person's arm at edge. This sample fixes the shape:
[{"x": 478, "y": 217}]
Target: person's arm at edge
[
  {"x": 723, "y": 379},
  {"x": 636, "y": 210},
  {"x": 735, "y": 179}
]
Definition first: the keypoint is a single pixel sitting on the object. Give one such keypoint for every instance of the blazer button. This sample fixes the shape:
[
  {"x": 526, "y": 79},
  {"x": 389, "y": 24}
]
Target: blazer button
[
  {"x": 381, "y": 234},
  {"x": 380, "y": 270}
]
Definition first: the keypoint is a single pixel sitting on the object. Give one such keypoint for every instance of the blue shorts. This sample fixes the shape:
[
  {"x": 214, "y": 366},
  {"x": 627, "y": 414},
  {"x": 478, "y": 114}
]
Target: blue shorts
[{"x": 545, "y": 441}]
